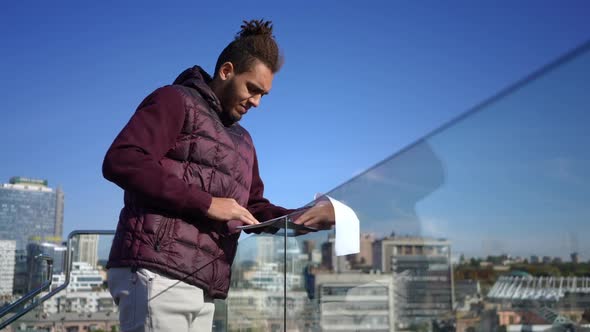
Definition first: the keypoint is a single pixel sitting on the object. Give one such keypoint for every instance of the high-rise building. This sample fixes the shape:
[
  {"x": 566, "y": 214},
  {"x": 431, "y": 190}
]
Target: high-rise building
[
  {"x": 7, "y": 264},
  {"x": 422, "y": 273},
  {"x": 308, "y": 247},
  {"x": 21, "y": 273},
  {"x": 272, "y": 248},
  {"x": 85, "y": 249},
  {"x": 355, "y": 301},
  {"x": 37, "y": 268},
  {"x": 265, "y": 249},
  {"x": 30, "y": 210},
  {"x": 59, "y": 212}
]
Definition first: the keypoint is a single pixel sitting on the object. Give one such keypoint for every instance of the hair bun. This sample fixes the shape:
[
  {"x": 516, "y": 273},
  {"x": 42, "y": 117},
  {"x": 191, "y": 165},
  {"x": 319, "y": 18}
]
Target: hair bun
[{"x": 255, "y": 28}]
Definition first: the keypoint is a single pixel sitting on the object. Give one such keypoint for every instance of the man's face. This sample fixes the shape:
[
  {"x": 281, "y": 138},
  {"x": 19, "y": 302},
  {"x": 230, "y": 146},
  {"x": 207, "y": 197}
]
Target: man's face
[{"x": 244, "y": 90}]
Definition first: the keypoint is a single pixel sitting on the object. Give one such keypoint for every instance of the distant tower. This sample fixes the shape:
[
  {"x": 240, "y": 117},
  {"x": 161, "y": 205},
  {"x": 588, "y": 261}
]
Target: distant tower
[
  {"x": 414, "y": 263},
  {"x": 265, "y": 249},
  {"x": 59, "y": 213},
  {"x": 85, "y": 249},
  {"x": 30, "y": 211}
]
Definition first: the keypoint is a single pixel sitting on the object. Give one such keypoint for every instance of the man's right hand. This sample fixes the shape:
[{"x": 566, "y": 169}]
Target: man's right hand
[{"x": 226, "y": 209}]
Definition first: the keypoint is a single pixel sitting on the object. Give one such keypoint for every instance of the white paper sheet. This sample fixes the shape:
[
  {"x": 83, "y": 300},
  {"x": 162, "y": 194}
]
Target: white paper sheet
[{"x": 347, "y": 229}]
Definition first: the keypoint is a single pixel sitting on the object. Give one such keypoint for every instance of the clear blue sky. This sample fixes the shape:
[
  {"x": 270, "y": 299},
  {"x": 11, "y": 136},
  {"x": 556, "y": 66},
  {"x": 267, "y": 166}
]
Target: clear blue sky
[{"x": 361, "y": 81}]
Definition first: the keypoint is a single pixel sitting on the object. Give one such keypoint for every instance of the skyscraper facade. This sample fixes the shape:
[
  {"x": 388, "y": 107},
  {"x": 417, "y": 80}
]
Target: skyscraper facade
[
  {"x": 30, "y": 211},
  {"x": 423, "y": 277},
  {"x": 85, "y": 249},
  {"x": 265, "y": 249},
  {"x": 37, "y": 268},
  {"x": 355, "y": 301},
  {"x": 7, "y": 258}
]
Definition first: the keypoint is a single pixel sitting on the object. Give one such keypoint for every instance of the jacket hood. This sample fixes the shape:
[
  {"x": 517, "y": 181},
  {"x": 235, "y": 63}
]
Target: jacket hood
[{"x": 198, "y": 79}]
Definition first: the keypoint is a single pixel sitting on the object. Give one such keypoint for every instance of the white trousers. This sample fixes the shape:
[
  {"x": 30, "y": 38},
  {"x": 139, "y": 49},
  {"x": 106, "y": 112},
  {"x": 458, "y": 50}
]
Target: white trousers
[{"x": 151, "y": 302}]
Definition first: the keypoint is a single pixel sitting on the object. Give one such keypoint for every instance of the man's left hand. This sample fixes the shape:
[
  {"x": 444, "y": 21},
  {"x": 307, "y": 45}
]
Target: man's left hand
[{"x": 320, "y": 216}]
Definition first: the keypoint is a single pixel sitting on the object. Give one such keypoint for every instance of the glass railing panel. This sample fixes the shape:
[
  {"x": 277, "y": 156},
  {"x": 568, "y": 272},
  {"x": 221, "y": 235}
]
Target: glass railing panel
[
  {"x": 85, "y": 304},
  {"x": 220, "y": 318},
  {"x": 257, "y": 296},
  {"x": 482, "y": 225}
]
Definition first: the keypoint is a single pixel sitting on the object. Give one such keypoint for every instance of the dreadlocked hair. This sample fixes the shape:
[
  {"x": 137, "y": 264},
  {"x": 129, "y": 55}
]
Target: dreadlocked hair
[{"x": 254, "y": 41}]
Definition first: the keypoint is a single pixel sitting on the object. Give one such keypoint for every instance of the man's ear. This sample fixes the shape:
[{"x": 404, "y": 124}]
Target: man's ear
[{"x": 226, "y": 70}]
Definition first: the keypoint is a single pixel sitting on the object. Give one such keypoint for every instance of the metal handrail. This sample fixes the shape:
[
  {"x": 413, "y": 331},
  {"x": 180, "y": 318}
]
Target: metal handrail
[{"x": 46, "y": 284}]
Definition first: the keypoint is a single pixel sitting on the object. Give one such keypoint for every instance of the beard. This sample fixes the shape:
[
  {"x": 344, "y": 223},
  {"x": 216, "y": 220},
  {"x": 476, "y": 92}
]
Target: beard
[{"x": 229, "y": 115}]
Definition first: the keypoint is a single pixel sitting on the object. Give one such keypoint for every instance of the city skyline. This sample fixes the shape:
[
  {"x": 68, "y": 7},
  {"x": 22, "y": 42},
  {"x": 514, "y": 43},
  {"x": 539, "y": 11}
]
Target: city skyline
[
  {"x": 531, "y": 251},
  {"x": 402, "y": 101},
  {"x": 254, "y": 283}
]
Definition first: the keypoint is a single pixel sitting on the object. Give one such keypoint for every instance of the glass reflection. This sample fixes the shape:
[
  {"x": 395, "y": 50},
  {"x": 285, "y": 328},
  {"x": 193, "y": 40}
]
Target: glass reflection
[
  {"x": 259, "y": 274},
  {"x": 479, "y": 226}
]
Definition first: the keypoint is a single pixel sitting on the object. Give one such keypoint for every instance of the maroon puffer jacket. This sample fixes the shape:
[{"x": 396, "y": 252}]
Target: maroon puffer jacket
[{"x": 171, "y": 158}]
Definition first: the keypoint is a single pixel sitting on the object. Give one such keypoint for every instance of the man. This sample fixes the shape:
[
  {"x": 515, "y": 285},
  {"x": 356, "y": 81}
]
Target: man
[{"x": 190, "y": 176}]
